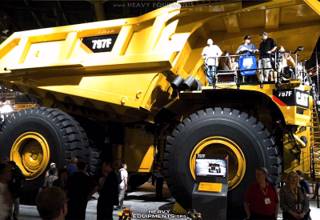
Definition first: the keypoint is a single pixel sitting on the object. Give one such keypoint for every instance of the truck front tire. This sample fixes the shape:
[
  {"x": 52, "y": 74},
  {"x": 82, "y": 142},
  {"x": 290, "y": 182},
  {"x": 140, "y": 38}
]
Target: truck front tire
[
  {"x": 219, "y": 131},
  {"x": 34, "y": 138}
]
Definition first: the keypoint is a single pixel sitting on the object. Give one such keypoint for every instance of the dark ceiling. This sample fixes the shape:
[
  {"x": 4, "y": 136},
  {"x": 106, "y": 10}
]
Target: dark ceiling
[{"x": 16, "y": 15}]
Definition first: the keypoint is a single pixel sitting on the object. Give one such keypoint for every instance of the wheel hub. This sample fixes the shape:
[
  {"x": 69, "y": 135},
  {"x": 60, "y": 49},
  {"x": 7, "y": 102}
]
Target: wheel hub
[
  {"x": 31, "y": 153},
  {"x": 222, "y": 146}
]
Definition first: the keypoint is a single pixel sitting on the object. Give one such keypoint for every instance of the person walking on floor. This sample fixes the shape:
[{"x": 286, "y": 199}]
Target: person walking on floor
[
  {"x": 108, "y": 192},
  {"x": 15, "y": 187},
  {"x": 79, "y": 190},
  {"x": 123, "y": 186}
]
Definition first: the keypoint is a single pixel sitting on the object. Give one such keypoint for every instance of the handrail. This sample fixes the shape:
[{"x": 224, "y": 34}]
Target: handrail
[{"x": 227, "y": 62}]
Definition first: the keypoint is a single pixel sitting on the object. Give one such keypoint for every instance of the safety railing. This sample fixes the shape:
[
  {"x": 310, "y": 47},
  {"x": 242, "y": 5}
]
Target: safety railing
[{"x": 248, "y": 68}]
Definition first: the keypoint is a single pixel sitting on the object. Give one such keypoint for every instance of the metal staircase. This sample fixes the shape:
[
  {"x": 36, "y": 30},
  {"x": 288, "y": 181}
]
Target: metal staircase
[
  {"x": 315, "y": 143},
  {"x": 315, "y": 127}
]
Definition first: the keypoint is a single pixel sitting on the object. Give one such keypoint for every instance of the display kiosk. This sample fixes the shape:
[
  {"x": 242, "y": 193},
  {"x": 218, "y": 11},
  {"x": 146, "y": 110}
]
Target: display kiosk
[{"x": 210, "y": 190}]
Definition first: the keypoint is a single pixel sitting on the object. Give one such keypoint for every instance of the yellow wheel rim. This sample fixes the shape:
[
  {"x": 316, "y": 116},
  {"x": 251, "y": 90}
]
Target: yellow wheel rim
[
  {"x": 222, "y": 146},
  {"x": 31, "y": 153}
]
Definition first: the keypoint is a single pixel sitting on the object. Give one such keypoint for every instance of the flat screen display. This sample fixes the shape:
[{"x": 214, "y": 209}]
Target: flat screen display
[{"x": 211, "y": 167}]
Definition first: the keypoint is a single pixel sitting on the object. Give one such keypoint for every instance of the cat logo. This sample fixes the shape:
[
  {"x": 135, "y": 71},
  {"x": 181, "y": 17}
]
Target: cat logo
[{"x": 302, "y": 99}]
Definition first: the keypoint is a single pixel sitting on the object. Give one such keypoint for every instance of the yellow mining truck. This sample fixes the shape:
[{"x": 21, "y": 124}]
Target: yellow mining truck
[{"x": 135, "y": 89}]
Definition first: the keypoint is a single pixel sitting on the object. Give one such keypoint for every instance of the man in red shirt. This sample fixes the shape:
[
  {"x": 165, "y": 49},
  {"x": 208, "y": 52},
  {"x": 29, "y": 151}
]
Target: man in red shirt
[{"x": 261, "y": 199}]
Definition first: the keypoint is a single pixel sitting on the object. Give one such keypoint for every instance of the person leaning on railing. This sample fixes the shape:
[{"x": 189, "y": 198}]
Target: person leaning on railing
[
  {"x": 210, "y": 54},
  {"x": 247, "y": 60},
  {"x": 285, "y": 62},
  {"x": 247, "y": 46}
]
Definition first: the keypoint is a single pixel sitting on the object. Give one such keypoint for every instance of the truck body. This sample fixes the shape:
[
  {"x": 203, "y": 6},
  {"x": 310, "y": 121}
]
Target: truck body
[{"x": 117, "y": 79}]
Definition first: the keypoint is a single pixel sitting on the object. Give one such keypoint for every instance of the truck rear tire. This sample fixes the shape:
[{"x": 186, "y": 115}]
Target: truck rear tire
[
  {"x": 34, "y": 138},
  {"x": 219, "y": 131}
]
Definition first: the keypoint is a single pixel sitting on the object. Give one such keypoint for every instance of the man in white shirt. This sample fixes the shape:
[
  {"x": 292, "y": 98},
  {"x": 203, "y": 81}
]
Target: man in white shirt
[
  {"x": 210, "y": 55},
  {"x": 123, "y": 184}
]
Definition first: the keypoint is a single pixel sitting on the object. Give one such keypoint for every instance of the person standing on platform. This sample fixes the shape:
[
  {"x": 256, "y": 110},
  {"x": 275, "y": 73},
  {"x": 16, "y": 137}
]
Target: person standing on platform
[
  {"x": 210, "y": 54},
  {"x": 267, "y": 48},
  {"x": 247, "y": 46}
]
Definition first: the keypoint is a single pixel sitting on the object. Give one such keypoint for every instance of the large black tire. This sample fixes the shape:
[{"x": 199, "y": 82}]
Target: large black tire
[
  {"x": 65, "y": 137},
  {"x": 94, "y": 168},
  {"x": 251, "y": 136}
]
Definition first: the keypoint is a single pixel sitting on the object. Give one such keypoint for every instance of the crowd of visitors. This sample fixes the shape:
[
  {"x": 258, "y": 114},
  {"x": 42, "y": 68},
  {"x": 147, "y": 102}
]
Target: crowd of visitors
[{"x": 65, "y": 193}]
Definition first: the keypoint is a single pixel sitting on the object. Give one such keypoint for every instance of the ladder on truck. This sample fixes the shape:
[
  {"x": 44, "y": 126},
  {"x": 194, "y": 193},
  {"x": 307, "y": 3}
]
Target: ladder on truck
[
  {"x": 315, "y": 143},
  {"x": 315, "y": 132}
]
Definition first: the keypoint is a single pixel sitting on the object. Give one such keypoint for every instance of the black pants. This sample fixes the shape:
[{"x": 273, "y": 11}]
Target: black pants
[
  {"x": 104, "y": 211},
  {"x": 77, "y": 209},
  {"x": 288, "y": 216},
  {"x": 159, "y": 187},
  {"x": 262, "y": 217}
]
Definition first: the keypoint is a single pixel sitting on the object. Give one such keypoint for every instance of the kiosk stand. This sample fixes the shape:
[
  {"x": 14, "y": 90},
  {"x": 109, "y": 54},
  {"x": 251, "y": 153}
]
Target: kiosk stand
[{"x": 210, "y": 191}]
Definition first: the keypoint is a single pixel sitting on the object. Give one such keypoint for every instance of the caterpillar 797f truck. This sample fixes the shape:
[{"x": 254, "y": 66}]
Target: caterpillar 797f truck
[{"x": 135, "y": 90}]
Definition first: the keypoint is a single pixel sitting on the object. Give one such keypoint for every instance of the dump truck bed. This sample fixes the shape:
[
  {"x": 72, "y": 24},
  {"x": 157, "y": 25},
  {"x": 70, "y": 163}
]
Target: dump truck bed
[{"x": 124, "y": 67}]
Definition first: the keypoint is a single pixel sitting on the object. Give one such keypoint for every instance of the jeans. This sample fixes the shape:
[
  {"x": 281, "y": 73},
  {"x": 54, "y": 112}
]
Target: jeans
[
  {"x": 211, "y": 72},
  {"x": 15, "y": 208},
  {"x": 122, "y": 194}
]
